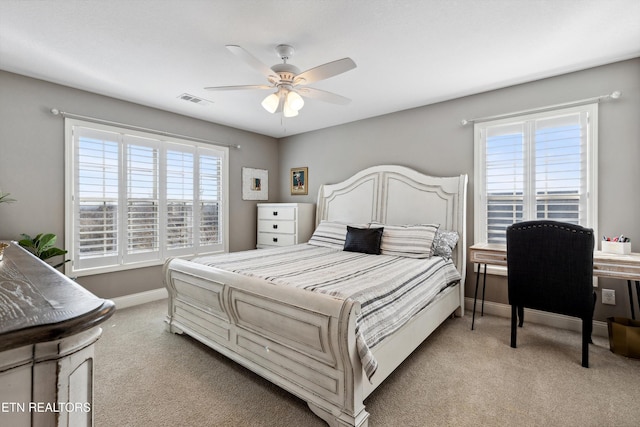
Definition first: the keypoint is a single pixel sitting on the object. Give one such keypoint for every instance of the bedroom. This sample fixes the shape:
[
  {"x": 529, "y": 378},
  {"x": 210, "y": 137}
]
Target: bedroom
[{"x": 408, "y": 137}]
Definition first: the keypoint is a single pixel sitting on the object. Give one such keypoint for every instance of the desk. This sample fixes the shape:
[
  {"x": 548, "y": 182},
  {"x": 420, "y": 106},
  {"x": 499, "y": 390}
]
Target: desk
[{"x": 614, "y": 266}]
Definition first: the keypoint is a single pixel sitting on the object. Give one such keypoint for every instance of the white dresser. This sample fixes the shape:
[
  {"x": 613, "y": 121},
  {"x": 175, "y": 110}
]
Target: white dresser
[{"x": 284, "y": 224}]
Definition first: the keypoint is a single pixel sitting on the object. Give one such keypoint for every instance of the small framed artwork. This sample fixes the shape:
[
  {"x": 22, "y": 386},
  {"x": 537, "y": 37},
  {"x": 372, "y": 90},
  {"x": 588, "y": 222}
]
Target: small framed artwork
[
  {"x": 299, "y": 181},
  {"x": 255, "y": 184}
]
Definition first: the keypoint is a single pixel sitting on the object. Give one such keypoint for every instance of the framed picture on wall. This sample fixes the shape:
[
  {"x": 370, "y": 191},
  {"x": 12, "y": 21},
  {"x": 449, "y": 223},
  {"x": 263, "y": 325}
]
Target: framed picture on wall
[
  {"x": 299, "y": 181},
  {"x": 255, "y": 184}
]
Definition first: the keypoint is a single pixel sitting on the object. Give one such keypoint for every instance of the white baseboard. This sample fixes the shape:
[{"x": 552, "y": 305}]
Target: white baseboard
[
  {"x": 543, "y": 318},
  {"x": 140, "y": 298}
]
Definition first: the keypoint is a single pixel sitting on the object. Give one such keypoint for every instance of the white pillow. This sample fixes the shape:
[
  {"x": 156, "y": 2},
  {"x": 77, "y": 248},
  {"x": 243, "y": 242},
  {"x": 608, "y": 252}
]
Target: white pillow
[
  {"x": 329, "y": 234},
  {"x": 411, "y": 241}
]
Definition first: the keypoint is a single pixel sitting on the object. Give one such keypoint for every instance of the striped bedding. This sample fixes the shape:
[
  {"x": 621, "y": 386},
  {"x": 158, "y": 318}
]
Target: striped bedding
[{"x": 390, "y": 289}]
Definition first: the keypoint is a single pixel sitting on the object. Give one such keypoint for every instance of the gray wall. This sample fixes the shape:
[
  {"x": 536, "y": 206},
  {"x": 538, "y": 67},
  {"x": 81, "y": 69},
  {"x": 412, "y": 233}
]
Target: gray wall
[
  {"x": 32, "y": 166},
  {"x": 431, "y": 139}
]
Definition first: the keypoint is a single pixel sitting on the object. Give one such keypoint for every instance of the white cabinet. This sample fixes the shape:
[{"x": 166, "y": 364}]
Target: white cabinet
[
  {"x": 49, "y": 383},
  {"x": 284, "y": 224},
  {"x": 48, "y": 327}
]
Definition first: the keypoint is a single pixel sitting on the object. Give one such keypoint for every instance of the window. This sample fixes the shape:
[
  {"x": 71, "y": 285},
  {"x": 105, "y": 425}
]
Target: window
[
  {"x": 134, "y": 199},
  {"x": 533, "y": 167}
]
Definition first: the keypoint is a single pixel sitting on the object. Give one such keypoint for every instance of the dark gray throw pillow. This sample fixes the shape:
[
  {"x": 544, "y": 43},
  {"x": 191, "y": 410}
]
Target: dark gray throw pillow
[{"x": 365, "y": 240}]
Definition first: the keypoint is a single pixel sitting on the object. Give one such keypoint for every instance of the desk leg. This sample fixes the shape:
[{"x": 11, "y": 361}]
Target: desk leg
[
  {"x": 638, "y": 294},
  {"x": 475, "y": 296},
  {"x": 633, "y": 313},
  {"x": 484, "y": 286}
]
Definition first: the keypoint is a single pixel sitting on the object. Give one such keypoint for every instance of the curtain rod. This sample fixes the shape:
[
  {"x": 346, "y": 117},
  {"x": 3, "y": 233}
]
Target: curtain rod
[
  {"x": 614, "y": 95},
  {"x": 57, "y": 112}
]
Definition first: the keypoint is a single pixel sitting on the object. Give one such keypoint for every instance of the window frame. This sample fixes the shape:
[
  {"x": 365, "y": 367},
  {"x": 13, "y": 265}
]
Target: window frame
[
  {"x": 126, "y": 260},
  {"x": 591, "y": 143}
]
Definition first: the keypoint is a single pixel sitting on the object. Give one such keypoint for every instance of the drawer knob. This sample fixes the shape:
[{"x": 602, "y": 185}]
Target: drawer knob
[
  {"x": 275, "y": 239},
  {"x": 275, "y": 226},
  {"x": 275, "y": 213}
]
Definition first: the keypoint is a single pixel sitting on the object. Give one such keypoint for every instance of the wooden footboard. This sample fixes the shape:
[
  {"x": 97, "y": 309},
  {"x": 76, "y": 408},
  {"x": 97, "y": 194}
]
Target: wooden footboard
[{"x": 304, "y": 345}]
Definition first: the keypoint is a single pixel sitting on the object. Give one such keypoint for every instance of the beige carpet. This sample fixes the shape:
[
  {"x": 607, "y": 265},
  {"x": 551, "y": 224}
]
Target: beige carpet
[{"x": 146, "y": 376}]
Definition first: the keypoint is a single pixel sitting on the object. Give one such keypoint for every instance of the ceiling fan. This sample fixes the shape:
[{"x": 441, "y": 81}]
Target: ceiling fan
[{"x": 289, "y": 83}]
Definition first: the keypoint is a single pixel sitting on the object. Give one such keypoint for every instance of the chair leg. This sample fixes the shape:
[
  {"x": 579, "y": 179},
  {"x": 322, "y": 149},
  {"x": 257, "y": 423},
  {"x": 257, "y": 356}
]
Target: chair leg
[
  {"x": 514, "y": 330},
  {"x": 593, "y": 310},
  {"x": 521, "y": 315},
  {"x": 587, "y": 326}
]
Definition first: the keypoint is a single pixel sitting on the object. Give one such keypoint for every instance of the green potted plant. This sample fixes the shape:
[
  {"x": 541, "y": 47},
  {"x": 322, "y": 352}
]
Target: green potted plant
[{"x": 43, "y": 247}]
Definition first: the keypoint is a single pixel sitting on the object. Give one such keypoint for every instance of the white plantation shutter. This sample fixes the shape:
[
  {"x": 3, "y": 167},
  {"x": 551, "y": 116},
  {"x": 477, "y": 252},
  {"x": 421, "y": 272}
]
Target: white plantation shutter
[
  {"x": 180, "y": 197},
  {"x": 561, "y": 168},
  {"x": 194, "y": 200},
  {"x": 142, "y": 207},
  {"x": 97, "y": 156},
  {"x": 133, "y": 199},
  {"x": 539, "y": 166},
  {"x": 210, "y": 198},
  {"x": 505, "y": 180}
]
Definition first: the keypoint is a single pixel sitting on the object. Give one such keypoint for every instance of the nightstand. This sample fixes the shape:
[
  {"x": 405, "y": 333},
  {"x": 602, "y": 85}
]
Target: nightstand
[{"x": 284, "y": 224}]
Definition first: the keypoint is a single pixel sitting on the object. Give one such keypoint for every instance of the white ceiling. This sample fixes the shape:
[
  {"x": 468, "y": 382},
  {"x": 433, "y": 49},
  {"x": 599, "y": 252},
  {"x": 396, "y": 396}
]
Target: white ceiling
[{"x": 408, "y": 53}]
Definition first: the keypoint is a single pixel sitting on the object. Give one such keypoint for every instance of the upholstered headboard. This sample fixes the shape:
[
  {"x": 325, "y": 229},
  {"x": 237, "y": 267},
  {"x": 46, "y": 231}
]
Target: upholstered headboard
[{"x": 399, "y": 195}]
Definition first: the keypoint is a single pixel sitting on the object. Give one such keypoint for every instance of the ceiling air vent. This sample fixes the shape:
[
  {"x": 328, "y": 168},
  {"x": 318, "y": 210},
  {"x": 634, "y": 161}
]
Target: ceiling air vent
[{"x": 194, "y": 99}]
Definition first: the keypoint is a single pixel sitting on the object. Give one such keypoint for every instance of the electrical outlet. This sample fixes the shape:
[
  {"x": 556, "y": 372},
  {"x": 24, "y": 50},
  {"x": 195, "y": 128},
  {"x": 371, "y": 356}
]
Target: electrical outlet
[{"x": 609, "y": 296}]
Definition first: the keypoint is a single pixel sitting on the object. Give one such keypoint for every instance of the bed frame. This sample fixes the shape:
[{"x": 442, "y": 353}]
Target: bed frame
[{"x": 305, "y": 343}]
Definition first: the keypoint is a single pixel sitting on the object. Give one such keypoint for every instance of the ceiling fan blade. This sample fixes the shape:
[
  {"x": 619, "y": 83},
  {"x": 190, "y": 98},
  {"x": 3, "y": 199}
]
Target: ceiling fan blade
[
  {"x": 325, "y": 71},
  {"x": 252, "y": 61},
  {"x": 243, "y": 87},
  {"x": 322, "y": 95}
]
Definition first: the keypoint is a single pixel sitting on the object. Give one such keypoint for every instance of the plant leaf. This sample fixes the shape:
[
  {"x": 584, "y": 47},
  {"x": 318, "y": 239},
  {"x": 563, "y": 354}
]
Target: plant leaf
[
  {"x": 51, "y": 252},
  {"x": 46, "y": 241},
  {"x": 28, "y": 244},
  {"x": 4, "y": 198},
  {"x": 60, "y": 264}
]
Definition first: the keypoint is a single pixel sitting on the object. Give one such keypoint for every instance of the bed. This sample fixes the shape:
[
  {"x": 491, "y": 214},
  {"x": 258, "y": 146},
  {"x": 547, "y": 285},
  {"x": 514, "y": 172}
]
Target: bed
[{"x": 315, "y": 344}]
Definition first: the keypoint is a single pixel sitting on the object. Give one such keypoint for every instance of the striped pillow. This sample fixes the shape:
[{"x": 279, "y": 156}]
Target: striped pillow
[
  {"x": 329, "y": 234},
  {"x": 411, "y": 241}
]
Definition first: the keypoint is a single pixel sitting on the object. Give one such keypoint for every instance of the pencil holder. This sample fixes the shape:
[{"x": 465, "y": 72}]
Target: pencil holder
[{"x": 623, "y": 248}]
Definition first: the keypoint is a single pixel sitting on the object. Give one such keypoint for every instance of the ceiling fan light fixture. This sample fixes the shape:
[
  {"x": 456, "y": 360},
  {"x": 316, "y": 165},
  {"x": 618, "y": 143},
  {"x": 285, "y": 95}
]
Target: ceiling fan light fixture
[
  {"x": 287, "y": 111},
  {"x": 295, "y": 101},
  {"x": 271, "y": 102}
]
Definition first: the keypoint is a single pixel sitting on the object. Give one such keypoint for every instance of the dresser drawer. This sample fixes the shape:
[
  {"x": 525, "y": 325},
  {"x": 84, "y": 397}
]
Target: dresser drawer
[
  {"x": 272, "y": 226},
  {"x": 275, "y": 239},
  {"x": 277, "y": 212}
]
